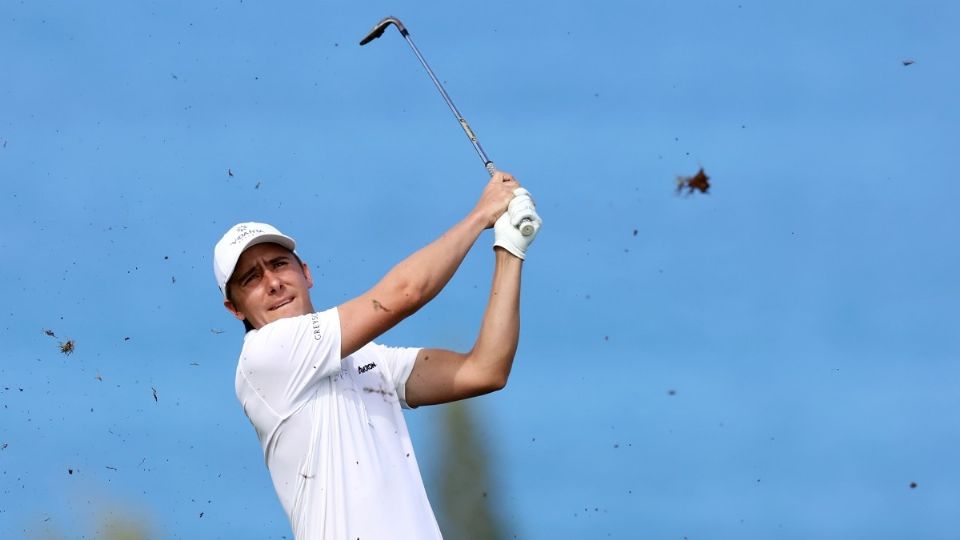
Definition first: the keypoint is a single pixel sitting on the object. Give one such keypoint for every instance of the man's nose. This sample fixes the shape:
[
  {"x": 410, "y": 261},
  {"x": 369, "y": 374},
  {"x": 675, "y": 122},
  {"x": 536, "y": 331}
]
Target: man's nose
[{"x": 273, "y": 281}]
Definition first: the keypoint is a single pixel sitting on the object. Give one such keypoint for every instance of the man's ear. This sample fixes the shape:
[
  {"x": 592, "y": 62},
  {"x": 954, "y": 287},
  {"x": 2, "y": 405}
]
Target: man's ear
[
  {"x": 306, "y": 274},
  {"x": 232, "y": 309}
]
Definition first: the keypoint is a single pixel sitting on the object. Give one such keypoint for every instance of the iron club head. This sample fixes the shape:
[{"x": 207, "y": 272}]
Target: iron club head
[{"x": 381, "y": 26}]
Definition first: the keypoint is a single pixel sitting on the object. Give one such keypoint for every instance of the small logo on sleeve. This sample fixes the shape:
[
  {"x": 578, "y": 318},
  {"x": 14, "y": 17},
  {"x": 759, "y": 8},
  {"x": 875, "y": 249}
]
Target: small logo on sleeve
[
  {"x": 315, "y": 322},
  {"x": 366, "y": 368}
]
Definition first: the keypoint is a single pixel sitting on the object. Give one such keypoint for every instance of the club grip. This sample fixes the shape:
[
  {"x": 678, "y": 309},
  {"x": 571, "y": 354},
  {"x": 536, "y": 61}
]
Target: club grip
[{"x": 527, "y": 227}]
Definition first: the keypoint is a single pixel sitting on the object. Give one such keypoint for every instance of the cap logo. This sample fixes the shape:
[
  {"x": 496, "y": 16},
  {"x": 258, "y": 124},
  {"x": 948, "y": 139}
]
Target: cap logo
[{"x": 243, "y": 232}]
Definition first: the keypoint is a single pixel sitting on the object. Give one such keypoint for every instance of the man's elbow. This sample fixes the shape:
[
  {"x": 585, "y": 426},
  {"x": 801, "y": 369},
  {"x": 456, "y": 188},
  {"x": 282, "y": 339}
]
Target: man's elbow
[
  {"x": 495, "y": 380},
  {"x": 493, "y": 384}
]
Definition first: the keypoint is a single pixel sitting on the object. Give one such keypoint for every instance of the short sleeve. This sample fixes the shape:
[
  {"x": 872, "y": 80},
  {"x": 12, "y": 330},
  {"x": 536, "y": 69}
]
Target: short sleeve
[
  {"x": 284, "y": 360},
  {"x": 397, "y": 364}
]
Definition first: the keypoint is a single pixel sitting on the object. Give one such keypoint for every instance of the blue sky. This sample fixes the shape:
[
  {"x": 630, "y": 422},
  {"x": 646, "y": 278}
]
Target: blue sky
[{"x": 803, "y": 314}]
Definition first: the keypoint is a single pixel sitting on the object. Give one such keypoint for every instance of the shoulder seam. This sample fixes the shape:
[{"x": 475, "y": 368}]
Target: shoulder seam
[{"x": 260, "y": 397}]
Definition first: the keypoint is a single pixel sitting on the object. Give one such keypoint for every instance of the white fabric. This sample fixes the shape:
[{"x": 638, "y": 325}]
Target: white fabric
[
  {"x": 332, "y": 432},
  {"x": 506, "y": 232}
]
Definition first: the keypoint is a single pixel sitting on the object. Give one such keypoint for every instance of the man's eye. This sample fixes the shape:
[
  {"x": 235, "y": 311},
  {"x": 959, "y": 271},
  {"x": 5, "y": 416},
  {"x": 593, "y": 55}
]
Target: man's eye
[
  {"x": 278, "y": 264},
  {"x": 248, "y": 280}
]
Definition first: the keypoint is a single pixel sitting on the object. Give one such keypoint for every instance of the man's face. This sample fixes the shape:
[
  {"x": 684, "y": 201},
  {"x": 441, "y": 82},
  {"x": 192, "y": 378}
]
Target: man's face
[{"x": 269, "y": 284}]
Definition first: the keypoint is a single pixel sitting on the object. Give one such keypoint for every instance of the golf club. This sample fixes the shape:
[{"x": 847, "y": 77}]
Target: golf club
[{"x": 527, "y": 227}]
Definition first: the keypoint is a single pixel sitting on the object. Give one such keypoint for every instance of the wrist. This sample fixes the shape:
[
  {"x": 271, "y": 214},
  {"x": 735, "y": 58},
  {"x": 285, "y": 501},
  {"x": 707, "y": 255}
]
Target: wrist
[
  {"x": 505, "y": 251},
  {"x": 476, "y": 221},
  {"x": 502, "y": 253}
]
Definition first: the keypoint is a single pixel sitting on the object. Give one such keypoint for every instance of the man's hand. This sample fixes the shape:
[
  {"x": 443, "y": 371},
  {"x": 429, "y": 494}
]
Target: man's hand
[
  {"x": 506, "y": 233},
  {"x": 495, "y": 197}
]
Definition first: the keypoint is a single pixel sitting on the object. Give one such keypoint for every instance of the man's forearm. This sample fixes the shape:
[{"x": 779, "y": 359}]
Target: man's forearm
[
  {"x": 424, "y": 273},
  {"x": 500, "y": 330}
]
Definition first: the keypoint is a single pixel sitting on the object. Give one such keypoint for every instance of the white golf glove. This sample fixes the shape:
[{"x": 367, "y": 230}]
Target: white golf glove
[{"x": 506, "y": 232}]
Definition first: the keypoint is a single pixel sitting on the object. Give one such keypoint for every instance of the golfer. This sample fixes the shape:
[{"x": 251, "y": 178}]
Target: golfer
[{"x": 326, "y": 400}]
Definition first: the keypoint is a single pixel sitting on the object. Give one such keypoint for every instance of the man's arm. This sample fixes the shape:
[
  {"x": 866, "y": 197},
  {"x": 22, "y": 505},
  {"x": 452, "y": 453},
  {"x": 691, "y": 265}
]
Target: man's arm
[
  {"x": 419, "y": 277},
  {"x": 440, "y": 376}
]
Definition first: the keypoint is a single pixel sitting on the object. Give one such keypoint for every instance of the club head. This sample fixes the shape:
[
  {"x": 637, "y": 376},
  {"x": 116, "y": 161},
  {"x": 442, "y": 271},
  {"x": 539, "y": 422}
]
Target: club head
[{"x": 381, "y": 26}]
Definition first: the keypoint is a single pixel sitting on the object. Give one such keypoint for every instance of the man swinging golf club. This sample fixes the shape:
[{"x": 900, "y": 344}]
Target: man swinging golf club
[{"x": 326, "y": 400}]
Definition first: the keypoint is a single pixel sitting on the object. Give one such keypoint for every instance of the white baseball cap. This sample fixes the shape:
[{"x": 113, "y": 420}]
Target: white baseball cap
[{"x": 241, "y": 236}]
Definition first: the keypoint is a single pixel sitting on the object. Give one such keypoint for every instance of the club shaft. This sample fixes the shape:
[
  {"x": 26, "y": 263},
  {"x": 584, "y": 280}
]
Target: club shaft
[
  {"x": 526, "y": 226},
  {"x": 463, "y": 122}
]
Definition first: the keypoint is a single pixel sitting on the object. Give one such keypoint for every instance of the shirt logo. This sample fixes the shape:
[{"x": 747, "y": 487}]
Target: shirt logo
[
  {"x": 366, "y": 368},
  {"x": 315, "y": 322}
]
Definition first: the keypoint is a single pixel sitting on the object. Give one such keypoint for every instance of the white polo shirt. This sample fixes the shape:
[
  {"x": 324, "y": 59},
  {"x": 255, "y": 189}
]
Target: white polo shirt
[{"x": 332, "y": 431}]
